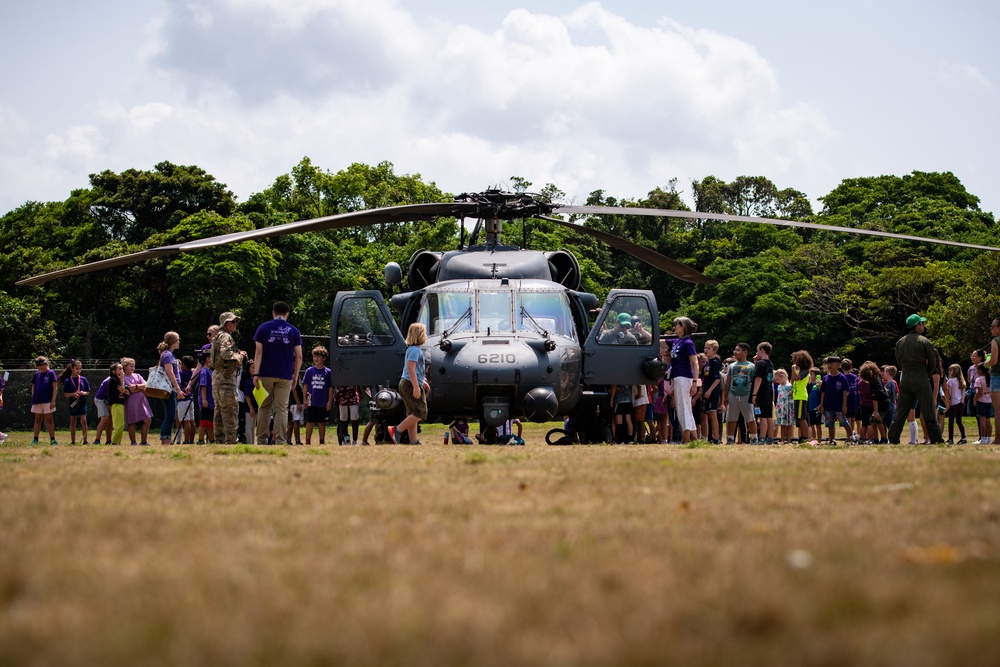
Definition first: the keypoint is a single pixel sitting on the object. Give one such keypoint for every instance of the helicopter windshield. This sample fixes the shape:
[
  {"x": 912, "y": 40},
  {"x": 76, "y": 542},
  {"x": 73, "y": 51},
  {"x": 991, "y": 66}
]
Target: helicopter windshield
[
  {"x": 442, "y": 311},
  {"x": 548, "y": 310}
]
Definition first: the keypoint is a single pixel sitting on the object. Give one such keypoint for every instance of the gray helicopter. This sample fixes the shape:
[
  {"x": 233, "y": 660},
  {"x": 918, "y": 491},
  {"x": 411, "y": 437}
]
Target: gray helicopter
[{"x": 509, "y": 332}]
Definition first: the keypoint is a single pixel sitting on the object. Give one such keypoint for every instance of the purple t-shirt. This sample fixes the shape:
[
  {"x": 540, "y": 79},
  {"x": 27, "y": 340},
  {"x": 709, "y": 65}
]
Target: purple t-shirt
[
  {"x": 43, "y": 386},
  {"x": 72, "y": 385},
  {"x": 680, "y": 358},
  {"x": 102, "y": 391},
  {"x": 834, "y": 388},
  {"x": 318, "y": 382},
  {"x": 278, "y": 341},
  {"x": 168, "y": 358},
  {"x": 205, "y": 379}
]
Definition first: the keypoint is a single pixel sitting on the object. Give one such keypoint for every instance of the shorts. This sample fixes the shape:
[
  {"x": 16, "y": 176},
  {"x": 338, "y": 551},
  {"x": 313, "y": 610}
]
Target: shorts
[
  {"x": 185, "y": 410},
  {"x": 710, "y": 403},
  {"x": 295, "y": 413},
  {"x": 984, "y": 410},
  {"x": 623, "y": 409},
  {"x": 207, "y": 417},
  {"x": 316, "y": 414},
  {"x": 739, "y": 405},
  {"x": 102, "y": 408},
  {"x": 801, "y": 410},
  {"x": 414, "y": 406},
  {"x": 865, "y": 413},
  {"x": 994, "y": 383},
  {"x": 815, "y": 418},
  {"x": 831, "y": 415},
  {"x": 766, "y": 409},
  {"x": 78, "y": 407},
  {"x": 352, "y": 411},
  {"x": 461, "y": 439},
  {"x": 42, "y": 408}
]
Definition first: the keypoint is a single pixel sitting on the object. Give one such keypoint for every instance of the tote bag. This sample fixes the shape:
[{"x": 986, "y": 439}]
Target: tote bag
[{"x": 158, "y": 386}]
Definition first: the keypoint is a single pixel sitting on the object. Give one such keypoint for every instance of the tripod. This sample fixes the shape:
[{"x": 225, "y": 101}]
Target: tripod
[{"x": 188, "y": 411}]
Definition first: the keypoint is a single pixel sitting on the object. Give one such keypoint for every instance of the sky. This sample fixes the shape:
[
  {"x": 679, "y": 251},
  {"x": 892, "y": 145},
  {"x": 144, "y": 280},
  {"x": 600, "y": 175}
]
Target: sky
[{"x": 619, "y": 96}]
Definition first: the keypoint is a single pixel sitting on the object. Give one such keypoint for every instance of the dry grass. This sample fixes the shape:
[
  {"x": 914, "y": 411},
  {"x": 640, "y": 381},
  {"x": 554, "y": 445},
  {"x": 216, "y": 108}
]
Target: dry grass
[{"x": 499, "y": 555}]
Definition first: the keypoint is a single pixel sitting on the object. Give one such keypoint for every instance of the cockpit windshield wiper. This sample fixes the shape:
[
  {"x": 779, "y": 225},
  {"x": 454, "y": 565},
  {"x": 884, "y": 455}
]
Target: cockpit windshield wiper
[
  {"x": 467, "y": 315},
  {"x": 538, "y": 328}
]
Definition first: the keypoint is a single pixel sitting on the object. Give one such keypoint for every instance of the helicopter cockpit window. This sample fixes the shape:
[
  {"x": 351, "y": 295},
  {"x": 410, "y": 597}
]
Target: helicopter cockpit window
[
  {"x": 627, "y": 322},
  {"x": 546, "y": 310},
  {"x": 495, "y": 311},
  {"x": 446, "y": 311},
  {"x": 361, "y": 322}
]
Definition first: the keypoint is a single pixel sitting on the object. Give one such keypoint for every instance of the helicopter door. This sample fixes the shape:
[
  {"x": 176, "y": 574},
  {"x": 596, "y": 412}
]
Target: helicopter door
[
  {"x": 366, "y": 347},
  {"x": 623, "y": 345}
]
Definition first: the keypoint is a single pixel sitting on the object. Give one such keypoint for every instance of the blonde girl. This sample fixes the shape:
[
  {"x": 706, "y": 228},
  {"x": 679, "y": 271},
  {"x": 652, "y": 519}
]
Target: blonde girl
[
  {"x": 413, "y": 385},
  {"x": 785, "y": 413}
]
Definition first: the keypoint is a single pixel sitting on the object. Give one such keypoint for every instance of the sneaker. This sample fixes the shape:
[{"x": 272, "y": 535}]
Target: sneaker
[
  {"x": 365, "y": 443},
  {"x": 143, "y": 444},
  {"x": 35, "y": 441},
  {"x": 949, "y": 441},
  {"x": 963, "y": 441},
  {"x": 392, "y": 434},
  {"x": 53, "y": 442},
  {"x": 87, "y": 443}
]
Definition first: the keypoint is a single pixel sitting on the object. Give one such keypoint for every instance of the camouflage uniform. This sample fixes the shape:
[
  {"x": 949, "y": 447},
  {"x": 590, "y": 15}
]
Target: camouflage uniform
[{"x": 226, "y": 361}]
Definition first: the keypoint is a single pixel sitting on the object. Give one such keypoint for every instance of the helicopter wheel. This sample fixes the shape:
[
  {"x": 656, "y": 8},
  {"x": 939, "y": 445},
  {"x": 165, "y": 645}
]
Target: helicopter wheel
[{"x": 557, "y": 436}]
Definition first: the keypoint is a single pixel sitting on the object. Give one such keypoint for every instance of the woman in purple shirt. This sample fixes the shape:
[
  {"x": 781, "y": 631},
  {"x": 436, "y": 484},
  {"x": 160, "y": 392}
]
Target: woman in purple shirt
[
  {"x": 171, "y": 341},
  {"x": 683, "y": 371}
]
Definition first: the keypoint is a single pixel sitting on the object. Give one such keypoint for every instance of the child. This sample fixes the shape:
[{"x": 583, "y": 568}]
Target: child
[
  {"x": 43, "y": 399},
  {"x": 103, "y": 412},
  {"x": 206, "y": 427},
  {"x": 76, "y": 388},
  {"x": 185, "y": 406},
  {"x": 370, "y": 392},
  {"x": 3, "y": 382},
  {"x": 248, "y": 407},
  {"x": 799, "y": 376},
  {"x": 955, "y": 394},
  {"x": 459, "y": 430},
  {"x": 891, "y": 391},
  {"x": 984, "y": 406},
  {"x": 785, "y": 412},
  {"x": 317, "y": 389},
  {"x": 815, "y": 386},
  {"x": 711, "y": 392},
  {"x": 116, "y": 403},
  {"x": 348, "y": 400},
  {"x": 853, "y": 395},
  {"x": 874, "y": 404},
  {"x": 833, "y": 398},
  {"x": 736, "y": 395}
]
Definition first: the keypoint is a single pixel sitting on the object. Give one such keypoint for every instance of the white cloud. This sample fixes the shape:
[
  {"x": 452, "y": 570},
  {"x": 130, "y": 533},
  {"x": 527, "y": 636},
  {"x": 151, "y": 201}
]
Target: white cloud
[
  {"x": 587, "y": 100},
  {"x": 961, "y": 73}
]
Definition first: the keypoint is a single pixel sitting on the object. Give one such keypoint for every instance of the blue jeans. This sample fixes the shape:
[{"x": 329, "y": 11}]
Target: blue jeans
[{"x": 169, "y": 412}]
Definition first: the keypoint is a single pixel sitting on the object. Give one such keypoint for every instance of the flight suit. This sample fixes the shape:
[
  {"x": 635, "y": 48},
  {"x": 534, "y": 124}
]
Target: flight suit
[
  {"x": 917, "y": 362},
  {"x": 226, "y": 362}
]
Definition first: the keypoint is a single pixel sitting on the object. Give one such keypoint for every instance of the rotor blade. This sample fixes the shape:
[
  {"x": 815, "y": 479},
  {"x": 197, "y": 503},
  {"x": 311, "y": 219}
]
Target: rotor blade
[
  {"x": 406, "y": 213},
  {"x": 661, "y": 212},
  {"x": 651, "y": 257}
]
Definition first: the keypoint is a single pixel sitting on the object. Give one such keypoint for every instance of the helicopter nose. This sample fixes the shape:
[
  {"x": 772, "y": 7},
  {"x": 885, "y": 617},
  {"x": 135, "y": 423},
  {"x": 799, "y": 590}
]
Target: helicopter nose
[{"x": 540, "y": 404}]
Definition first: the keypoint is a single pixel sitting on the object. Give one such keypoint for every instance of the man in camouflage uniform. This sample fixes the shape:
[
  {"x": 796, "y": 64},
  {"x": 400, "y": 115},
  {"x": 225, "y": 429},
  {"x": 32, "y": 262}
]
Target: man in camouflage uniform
[
  {"x": 227, "y": 360},
  {"x": 918, "y": 361}
]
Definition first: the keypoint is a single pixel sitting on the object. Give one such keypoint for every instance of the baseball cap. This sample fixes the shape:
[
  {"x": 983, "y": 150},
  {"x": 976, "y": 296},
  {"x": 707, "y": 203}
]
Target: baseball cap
[
  {"x": 913, "y": 320},
  {"x": 228, "y": 317},
  {"x": 625, "y": 320}
]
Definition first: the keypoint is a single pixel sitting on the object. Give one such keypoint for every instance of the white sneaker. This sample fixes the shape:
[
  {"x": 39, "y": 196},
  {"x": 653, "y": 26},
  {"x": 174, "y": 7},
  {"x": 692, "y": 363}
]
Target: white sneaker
[{"x": 980, "y": 442}]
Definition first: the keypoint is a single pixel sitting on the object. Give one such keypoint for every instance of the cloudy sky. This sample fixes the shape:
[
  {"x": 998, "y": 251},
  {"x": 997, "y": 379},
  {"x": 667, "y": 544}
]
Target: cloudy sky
[{"x": 621, "y": 96}]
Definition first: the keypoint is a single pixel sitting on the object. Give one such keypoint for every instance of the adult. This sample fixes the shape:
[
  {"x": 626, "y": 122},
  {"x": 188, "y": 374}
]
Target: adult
[
  {"x": 171, "y": 341},
  {"x": 227, "y": 359},
  {"x": 277, "y": 360},
  {"x": 918, "y": 362},
  {"x": 683, "y": 371},
  {"x": 620, "y": 334},
  {"x": 993, "y": 364},
  {"x": 413, "y": 385}
]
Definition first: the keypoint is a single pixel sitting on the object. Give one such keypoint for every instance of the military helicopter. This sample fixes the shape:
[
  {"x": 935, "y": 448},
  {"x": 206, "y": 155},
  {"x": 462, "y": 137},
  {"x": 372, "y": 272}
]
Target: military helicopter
[{"x": 509, "y": 333}]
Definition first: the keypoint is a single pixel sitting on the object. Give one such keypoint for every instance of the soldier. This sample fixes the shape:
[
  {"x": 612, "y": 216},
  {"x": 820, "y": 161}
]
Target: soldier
[
  {"x": 226, "y": 362},
  {"x": 918, "y": 362},
  {"x": 620, "y": 335}
]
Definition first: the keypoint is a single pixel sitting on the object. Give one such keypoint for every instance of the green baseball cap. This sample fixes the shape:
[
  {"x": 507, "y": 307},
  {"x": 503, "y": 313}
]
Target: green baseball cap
[
  {"x": 625, "y": 319},
  {"x": 913, "y": 320}
]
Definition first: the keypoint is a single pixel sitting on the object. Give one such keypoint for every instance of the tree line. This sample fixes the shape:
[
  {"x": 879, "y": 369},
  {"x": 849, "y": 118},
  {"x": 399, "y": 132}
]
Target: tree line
[{"x": 826, "y": 292}]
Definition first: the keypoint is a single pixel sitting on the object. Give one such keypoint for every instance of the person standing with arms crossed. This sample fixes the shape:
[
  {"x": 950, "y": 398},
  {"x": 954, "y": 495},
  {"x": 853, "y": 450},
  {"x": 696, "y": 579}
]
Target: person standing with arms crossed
[
  {"x": 918, "y": 361},
  {"x": 227, "y": 359},
  {"x": 277, "y": 360}
]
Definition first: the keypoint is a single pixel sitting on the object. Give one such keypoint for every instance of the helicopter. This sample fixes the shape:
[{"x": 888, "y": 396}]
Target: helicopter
[{"x": 509, "y": 331}]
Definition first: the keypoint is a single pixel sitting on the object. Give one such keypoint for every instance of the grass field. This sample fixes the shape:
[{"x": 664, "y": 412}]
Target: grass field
[{"x": 477, "y": 555}]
